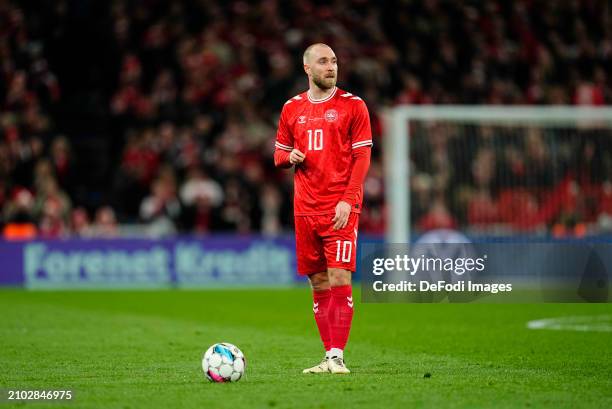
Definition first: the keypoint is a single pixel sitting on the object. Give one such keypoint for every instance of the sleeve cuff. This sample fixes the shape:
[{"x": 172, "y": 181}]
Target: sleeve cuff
[{"x": 362, "y": 143}]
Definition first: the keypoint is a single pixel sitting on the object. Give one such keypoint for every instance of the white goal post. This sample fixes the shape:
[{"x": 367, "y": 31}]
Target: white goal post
[{"x": 396, "y": 142}]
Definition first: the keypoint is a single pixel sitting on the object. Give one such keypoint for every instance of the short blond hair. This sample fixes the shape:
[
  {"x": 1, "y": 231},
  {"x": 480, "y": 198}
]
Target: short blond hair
[{"x": 308, "y": 50}]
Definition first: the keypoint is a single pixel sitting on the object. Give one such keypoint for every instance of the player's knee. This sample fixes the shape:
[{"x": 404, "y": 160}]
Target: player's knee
[
  {"x": 320, "y": 286},
  {"x": 319, "y": 281},
  {"x": 339, "y": 277}
]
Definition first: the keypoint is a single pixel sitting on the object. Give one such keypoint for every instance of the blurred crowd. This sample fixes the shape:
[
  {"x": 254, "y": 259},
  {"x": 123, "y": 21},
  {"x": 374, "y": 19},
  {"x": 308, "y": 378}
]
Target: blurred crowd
[
  {"x": 512, "y": 179},
  {"x": 181, "y": 99}
]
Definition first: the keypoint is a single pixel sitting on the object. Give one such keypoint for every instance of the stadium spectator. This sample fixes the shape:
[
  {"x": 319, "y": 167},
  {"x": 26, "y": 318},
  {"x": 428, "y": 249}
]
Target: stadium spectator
[
  {"x": 199, "y": 85},
  {"x": 105, "y": 223},
  {"x": 61, "y": 160},
  {"x": 19, "y": 217},
  {"x": 161, "y": 209},
  {"x": 53, "y": 203},
  {"x": 202, "y": 197},
  {"x": 80, "y": 224}
]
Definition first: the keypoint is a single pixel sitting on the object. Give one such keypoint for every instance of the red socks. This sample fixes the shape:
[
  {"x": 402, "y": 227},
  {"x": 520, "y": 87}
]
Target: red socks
[
  {"x": 340, "y": 315},
  {"x": 333, "y": 311},
  {"x": 320, "y": 308}
]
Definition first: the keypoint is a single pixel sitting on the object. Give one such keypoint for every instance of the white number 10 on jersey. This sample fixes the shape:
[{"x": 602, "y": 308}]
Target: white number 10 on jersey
[{"x": 315, "y": 140}]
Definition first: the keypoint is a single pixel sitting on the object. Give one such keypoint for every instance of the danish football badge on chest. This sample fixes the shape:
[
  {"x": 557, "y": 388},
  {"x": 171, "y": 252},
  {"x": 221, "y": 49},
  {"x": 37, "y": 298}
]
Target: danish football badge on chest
[{"x": 331, "y": 115}]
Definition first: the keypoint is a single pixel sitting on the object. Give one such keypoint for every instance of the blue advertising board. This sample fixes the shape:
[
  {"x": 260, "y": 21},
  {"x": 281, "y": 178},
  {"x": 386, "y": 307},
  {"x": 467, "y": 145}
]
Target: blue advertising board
[{"x": 145, "y": 263}]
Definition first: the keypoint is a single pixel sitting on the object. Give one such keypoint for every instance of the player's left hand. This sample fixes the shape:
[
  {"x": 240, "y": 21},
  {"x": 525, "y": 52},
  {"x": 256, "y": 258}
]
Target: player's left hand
[{"x": 343, "y": 211}]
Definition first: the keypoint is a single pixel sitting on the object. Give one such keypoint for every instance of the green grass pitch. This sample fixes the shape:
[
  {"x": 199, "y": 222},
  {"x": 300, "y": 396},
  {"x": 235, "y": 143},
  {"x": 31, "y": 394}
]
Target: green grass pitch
[{"x": 143, "y": 349}]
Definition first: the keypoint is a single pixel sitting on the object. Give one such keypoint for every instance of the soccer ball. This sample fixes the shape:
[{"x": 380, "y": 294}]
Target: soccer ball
[{"x": 223, "y": 362}]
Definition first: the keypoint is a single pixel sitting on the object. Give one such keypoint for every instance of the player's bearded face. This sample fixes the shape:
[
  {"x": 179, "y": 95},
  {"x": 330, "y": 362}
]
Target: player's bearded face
[
  {"x": 325, "y": 79},
  {"x": 324, "y": 72}
]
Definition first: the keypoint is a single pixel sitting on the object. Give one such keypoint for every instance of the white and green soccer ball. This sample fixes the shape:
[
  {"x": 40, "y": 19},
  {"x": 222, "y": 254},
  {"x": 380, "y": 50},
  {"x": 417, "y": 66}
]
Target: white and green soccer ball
[{"x": 223, "y": 362}]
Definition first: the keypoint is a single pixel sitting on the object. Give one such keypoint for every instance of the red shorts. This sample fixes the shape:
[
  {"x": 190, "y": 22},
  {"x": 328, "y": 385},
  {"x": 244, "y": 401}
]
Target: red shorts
[{"x": 319, "y": 246}]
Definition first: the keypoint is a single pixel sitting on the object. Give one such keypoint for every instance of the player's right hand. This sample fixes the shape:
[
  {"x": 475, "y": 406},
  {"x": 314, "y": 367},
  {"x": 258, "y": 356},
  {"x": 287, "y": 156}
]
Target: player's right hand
[{"x": 296, "y": 157}]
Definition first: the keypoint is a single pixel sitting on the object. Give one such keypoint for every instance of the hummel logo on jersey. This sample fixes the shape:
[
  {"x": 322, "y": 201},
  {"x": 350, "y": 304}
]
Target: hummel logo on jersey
[
  {"x": 350, "y": 301},
  {"x": 315, "y": 307}
]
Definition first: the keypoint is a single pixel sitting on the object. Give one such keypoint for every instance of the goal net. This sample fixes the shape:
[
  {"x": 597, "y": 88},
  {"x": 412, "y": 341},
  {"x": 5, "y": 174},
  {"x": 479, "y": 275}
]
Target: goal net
[{"x": 494, "y": 171}]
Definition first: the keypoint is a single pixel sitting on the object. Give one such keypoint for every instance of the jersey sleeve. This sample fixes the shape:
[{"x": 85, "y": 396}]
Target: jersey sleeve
[
  {"x": 284, "y": 138},
  {"x": 360, "y": 131},
  {"x": 284, "y": 142}
]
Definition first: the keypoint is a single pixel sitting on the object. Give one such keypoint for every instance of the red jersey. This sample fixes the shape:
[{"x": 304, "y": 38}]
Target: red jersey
[{"x": 326, "y": 131}]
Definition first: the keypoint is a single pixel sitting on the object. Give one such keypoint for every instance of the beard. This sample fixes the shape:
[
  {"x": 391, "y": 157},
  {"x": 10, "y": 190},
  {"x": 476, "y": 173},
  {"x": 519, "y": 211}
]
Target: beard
[{"x": 323, "y": 82}]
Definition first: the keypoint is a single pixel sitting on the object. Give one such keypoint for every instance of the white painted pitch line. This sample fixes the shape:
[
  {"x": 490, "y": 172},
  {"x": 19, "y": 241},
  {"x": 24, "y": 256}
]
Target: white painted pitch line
[{"x": 581, "y": 323}]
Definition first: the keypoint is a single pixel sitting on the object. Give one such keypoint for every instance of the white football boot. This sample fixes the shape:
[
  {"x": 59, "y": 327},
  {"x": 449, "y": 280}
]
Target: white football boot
[
  {"x": 336, "y": 365},
  {"x": 320, "y": 368}
]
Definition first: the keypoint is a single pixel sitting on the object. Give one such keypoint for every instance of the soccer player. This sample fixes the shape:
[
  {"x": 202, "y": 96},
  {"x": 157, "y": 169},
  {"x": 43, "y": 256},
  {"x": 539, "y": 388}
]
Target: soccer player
[{"x": 325, "y": 133}]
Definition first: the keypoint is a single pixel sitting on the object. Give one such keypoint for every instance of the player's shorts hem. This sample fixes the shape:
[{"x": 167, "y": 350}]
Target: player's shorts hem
[
  {"x": 311, "y": 272},
  {"x": 324, "y": 270},
  {"x": 329, "y": 212},
  {"x": 352, "y": 270}
]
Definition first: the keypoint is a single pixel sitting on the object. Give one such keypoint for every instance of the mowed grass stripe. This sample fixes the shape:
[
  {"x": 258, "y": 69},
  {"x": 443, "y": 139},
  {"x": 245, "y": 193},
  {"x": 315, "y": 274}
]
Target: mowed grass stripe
[{"x": 123, "y": 348}]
